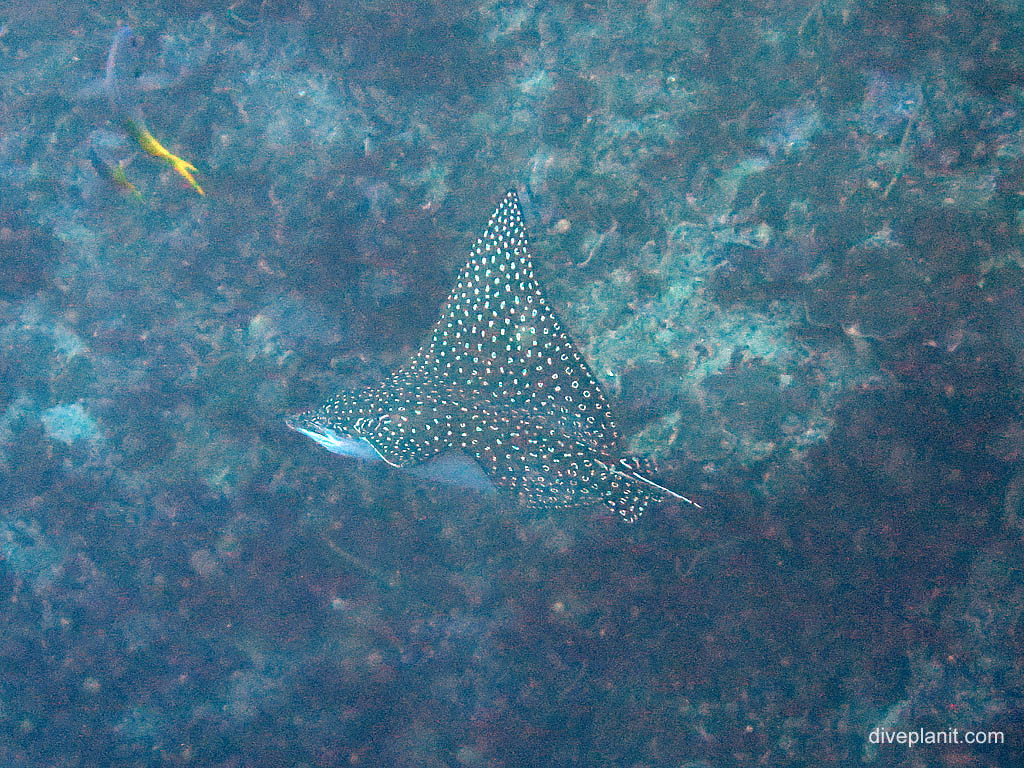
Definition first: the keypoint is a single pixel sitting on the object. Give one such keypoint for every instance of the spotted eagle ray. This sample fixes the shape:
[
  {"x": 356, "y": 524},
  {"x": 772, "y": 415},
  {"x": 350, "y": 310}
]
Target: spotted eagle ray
[{"x": 500, "y": 381}]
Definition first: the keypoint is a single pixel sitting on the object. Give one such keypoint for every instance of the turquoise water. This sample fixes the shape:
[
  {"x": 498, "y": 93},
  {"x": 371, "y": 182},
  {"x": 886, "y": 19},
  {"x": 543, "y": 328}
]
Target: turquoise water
[{"x": 787, "y": 240}]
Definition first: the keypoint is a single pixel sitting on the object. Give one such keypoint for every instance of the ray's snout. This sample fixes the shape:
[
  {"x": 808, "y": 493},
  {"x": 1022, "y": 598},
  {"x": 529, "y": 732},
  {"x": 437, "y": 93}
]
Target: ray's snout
[
  {"x": 318, "y": 429},
  {"x": 295, "y": 420}
]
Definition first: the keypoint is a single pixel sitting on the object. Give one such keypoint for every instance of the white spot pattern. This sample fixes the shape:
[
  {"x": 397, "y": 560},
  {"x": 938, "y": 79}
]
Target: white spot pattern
[{"x": 500, "y": 379}]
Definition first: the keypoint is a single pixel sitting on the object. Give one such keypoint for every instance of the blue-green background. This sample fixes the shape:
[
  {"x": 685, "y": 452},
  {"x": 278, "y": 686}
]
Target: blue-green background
[{"x": 787, "y": 237}]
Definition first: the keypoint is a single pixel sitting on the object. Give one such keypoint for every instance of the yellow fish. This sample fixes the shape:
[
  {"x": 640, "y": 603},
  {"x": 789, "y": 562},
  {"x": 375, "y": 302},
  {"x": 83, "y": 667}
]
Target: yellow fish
[
  {"x": 151, "y": 146},
  {"x": 119, "y": 84},
  {"x": 109, "y": 157}
]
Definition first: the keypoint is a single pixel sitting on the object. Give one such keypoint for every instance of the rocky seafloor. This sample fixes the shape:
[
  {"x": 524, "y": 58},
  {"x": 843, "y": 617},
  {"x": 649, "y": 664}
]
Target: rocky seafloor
[{"x": 786, "y": 236}]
